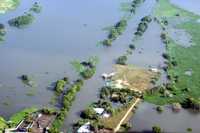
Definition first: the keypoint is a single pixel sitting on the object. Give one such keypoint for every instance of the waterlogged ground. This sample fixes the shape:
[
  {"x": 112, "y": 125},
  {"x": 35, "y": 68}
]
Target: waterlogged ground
[
  {"x": 45, "y": 49},
  {"x": 146, "y": 116}
]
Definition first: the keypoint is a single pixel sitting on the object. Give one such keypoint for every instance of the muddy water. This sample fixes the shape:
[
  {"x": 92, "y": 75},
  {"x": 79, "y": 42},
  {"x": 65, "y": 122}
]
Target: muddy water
[
  {"x": 90, "y": 91},
  {"x": 190, "y": 5},
  {"x": 148, "y": 52},
  {"x": 56, "y": 37},
  {"x": 63, "y": 31},
  {"x": 146, "y": 116}
]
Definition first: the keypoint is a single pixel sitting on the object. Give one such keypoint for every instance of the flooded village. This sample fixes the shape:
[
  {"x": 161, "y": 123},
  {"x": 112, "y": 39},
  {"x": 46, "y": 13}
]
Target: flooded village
[{"x": 99, "y": 66}]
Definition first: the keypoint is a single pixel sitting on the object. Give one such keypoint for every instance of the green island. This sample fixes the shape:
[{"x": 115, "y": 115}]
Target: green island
[
  {"x": 86, "y": 69},
  {"x": 6, "y": 5},
  {"x": 182, "y": 86},
  {"x": 22, "y": 20},
  {"x": 2, "y": 32}
]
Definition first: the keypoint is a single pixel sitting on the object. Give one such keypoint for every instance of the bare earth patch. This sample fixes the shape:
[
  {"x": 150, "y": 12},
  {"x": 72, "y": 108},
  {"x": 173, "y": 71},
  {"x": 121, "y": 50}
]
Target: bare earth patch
[{"x": 134, "y": 78}]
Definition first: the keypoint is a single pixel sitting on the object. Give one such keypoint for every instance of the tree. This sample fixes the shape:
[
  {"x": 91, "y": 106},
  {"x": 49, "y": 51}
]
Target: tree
[
  {"x": 156, "y": 129},
  {"x": 122, "y": 60}
]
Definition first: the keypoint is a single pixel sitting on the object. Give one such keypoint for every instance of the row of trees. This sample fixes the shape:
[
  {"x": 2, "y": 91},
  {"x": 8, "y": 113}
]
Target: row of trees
[
  {"x": 143, "y": 25},
  {"x": 27, "y": 18},
  {"x": 122, "y": 96},
  {"x": 134, "y": 5},
  {"x": 2, "y": 32},
  {"x": 68, "y": 98},
  {"x": 60, "y": 85},
  {"x": 115, "y": 32}
]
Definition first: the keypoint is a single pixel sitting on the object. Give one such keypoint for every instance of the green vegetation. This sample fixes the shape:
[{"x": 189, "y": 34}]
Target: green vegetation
[
  {"x": 16, "y": 118},
  {"x": 159, "y": 109},
  {"x": 132, "y": 47},
  {"x": 28, "y": 80},
  {"x": 122, "y": 60},
  {"x": 3, "y": 124},
  {"x": 115, "y": 32},
  {"x": 86, "y": 69},
  {"x": 6, "y": 5},
  {"x": 189, "y": 129},
  {"x": 36, "y": 8},
  {"x": 156, "y": 129},
  {"x": 131, "y": 7},
  {"x": 143, "y": 25},
  {"x": 68, "y": 98},
  {"x": 60, "y": 84},
  {"x": 22, "y": 20},
  {"x": 182, "y": 88},
  {"x": 2, "y": 32}
]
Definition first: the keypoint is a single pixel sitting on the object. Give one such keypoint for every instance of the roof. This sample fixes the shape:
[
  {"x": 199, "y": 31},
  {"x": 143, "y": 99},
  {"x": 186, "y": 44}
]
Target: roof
[
  {"x": 84, "y": 128},
  {"x": 99, "y": 110}
]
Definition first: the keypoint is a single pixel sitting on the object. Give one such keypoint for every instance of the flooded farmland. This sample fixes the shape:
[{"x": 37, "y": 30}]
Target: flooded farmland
[{"x": 68, "y": 30}]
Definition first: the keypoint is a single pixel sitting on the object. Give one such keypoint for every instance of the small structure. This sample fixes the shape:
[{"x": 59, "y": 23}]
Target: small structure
[
  {"x": 107, "y": 76},
  {"x": 176, "y": 107},
  {"x": 85, "y": 128},
  {"x": 155, "y": 70},
  {"x": 99, "y": 110},
  {"x": 37, "y": 122}
]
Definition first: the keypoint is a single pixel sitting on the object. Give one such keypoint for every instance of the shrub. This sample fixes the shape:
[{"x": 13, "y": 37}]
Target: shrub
[
  {"x": 122, "y": 60},
  {"x": 159, "y": 109},
  {"x": 21, "y": 21},
  {"x": 131, "y": 46},
  {"x": 36, "y": 8},
  {"x": 60, "y": 84},
  {"x": 156, "y": 129}
]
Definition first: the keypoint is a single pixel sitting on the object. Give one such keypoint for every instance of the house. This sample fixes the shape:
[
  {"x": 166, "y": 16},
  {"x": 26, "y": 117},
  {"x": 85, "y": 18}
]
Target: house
[
  {"x": 107, "y": 76},
  {"x": 154, "y": 70},
  {"x": 101, "y": 112},
  {"x": 85, "y": 128}
]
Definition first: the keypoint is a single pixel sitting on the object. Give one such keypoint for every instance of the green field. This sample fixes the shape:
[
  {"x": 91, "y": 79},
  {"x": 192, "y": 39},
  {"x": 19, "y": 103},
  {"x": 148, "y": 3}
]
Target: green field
[
  {"x": 186, "y": 58},
  {"x": 6, "y": 5}
]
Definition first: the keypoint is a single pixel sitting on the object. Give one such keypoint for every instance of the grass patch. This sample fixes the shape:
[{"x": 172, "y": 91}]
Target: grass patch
[
  {"x": 186, "y": 58},
  {"x": 3, "y": 124},
  {"x": 16, "y": 118},
  {"x": 136, "y": 78},
  {"x": 114, "y": 120}
]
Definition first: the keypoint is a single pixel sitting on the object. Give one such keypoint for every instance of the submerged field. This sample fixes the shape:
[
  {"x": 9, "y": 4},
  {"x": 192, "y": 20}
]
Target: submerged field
[
  {"x": 45, "y": 53},
  {"x": 187, "y": 59}
]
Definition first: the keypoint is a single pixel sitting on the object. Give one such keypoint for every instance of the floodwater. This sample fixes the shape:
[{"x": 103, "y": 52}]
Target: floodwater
[
  {"x": 63, "y": 31},
  {"x": 146, "y": 116},
  {"x": 190, "y": 5}
]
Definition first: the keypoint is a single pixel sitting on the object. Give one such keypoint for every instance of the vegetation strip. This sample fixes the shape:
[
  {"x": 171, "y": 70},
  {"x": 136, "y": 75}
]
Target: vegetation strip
[
  {"x": 120, "y": 26},
  {"x": 183, "y": 87}
]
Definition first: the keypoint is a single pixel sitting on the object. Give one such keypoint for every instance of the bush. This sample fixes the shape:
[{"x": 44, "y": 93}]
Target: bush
[
  {"x": 21, "y": 21},
  {"x": 131, "y": 46},
  {"x": 122, "y": 60},
  {"x": 107, "y": 42},
  {"x": 36, "y": 8},
  {"x": 156, "y": 129},
  {"x": 166, "y": 56},
  {"x": 159, "y": 109},
  {"x": 89, "y": 114},
  {"x": 60, "y": 84},
  {"x": 88, "y": 73}
]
